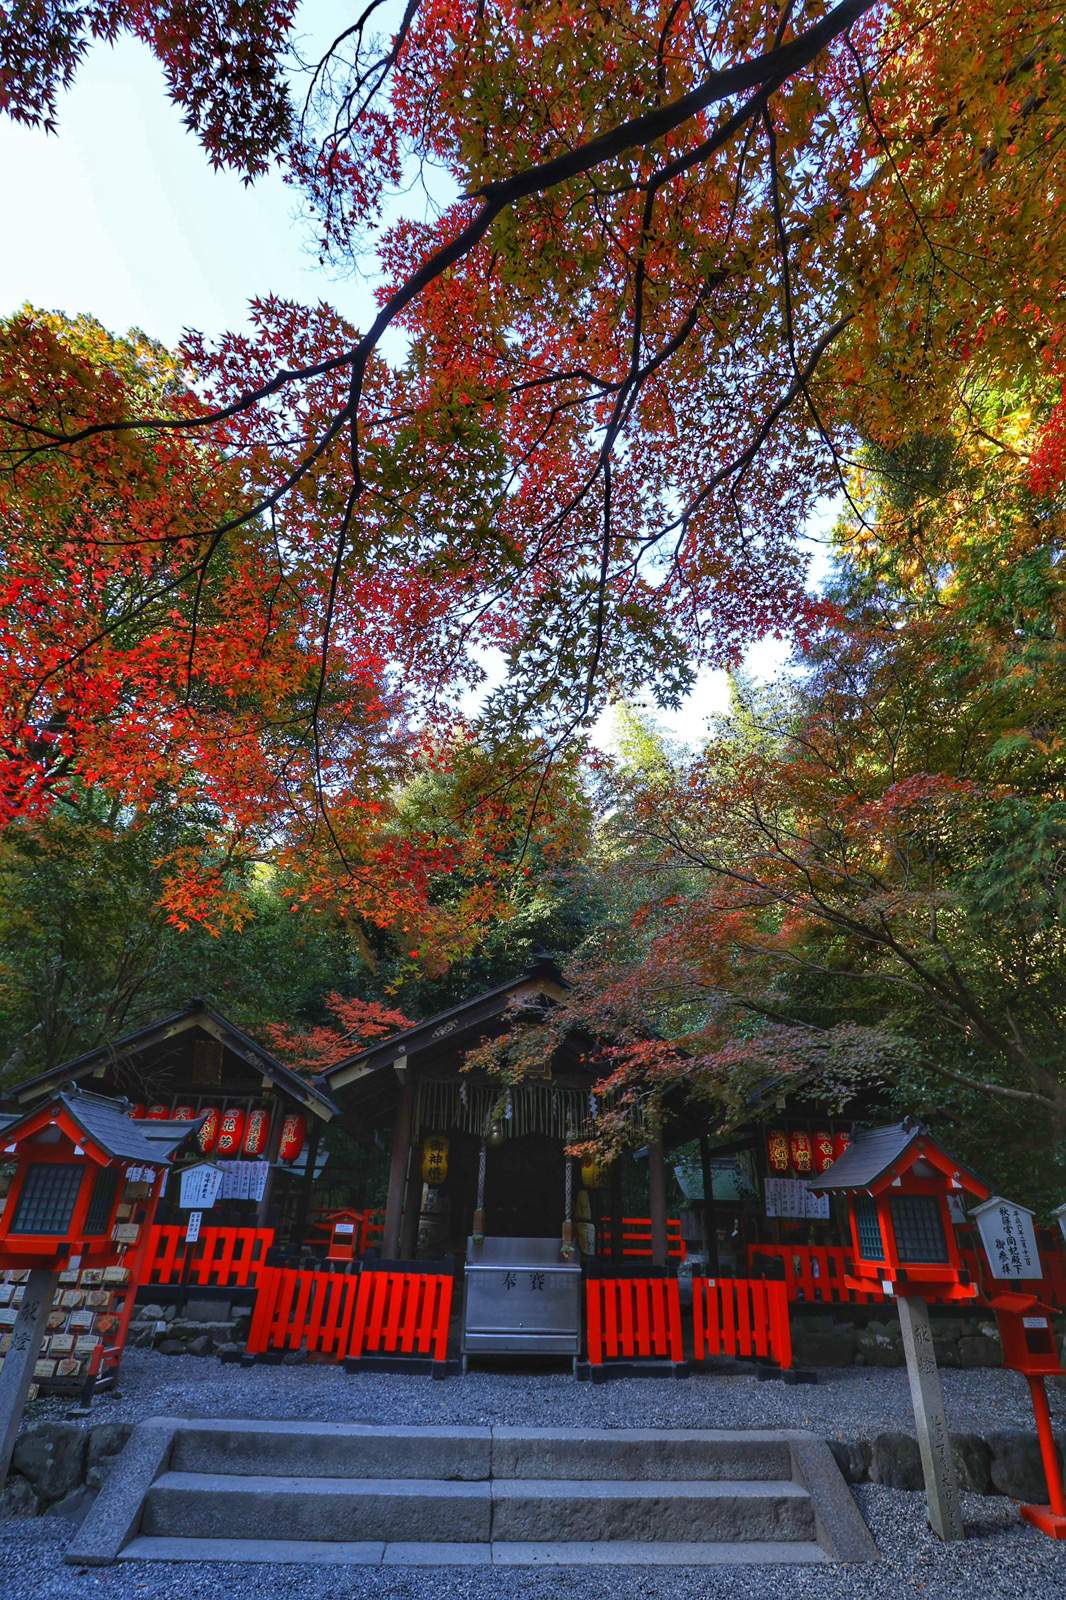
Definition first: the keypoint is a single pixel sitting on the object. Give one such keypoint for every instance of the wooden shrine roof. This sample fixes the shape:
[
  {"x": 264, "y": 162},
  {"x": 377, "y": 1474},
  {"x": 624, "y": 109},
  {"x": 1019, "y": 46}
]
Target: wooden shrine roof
[{"x": 153, "y": 1039}]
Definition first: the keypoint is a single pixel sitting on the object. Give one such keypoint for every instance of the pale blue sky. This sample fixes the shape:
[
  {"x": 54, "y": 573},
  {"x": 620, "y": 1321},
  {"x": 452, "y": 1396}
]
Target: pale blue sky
[{"x": 120, "y": 215}]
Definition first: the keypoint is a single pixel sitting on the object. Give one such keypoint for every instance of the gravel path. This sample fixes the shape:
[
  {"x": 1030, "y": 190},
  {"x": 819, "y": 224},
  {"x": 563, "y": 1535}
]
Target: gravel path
[
  {"x": 1003, "y": 1559},
  {"x": 846, "y": 1403}
]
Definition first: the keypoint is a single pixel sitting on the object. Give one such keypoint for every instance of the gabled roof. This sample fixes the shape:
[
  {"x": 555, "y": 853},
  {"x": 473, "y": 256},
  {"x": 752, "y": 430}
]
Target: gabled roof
[
  {"x": 875, "y": 1153},
  {"x": 196, "y": 1015},
  {"x": 107, "y": 1124},
  {"x": 442, "y": 1032}
]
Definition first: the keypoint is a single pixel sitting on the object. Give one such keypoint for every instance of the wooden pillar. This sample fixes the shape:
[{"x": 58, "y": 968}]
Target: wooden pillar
[
  {"x": 617, "y": 1243},
  {"x": 273, "y": 1146},
  {"x": 710, "y": 1226},
  {"x": 657, "y": 1200},
  {"x": 307, "y": 1185},
  {"x": 401, "y": 1150},
  {"x": 412, "y": 1208}
]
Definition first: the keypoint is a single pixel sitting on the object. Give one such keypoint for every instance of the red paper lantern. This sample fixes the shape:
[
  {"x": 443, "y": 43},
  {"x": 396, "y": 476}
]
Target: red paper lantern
[
  {"x": 841, "y": 1142},
  {"x": 158, "y": 1113},
  {"x": 256, "y": 1132},
  {"x": 777, "y": 1150},
  {"x": 184, "y": 1113},
  {"x": 824, "y": 1152},
  {"x": 137, "y": 1111},
  {"x": 800, "y": 1145},
  {"x": 208, "y": 1130},
  {"x": 230, "y": 1132},
  {"x": 293, "y": 1133}
]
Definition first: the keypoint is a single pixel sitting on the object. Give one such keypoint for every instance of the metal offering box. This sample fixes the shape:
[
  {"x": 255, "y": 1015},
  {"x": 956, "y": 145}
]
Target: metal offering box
[{"x": 520, "y": 1297}]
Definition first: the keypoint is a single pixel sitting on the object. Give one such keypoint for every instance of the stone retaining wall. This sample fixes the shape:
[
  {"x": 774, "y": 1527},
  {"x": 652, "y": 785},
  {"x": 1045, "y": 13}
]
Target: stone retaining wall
[{"x": 832, "y": 1338}]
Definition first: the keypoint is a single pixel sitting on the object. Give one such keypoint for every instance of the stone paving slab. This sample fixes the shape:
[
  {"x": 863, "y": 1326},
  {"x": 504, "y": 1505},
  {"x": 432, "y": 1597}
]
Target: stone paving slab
[{"x": 573, "y": 1553}]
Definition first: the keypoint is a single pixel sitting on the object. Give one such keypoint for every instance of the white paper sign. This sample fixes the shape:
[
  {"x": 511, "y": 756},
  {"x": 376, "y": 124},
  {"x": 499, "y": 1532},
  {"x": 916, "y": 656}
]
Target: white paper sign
[
  {"x": 790, "y": 1197},
  {"x": 192, "y": 1232},
  {"x": 243, "y": 1180},
  {"x": 1008, "y": 1238},
  {"x": 199, "y": 1188}
]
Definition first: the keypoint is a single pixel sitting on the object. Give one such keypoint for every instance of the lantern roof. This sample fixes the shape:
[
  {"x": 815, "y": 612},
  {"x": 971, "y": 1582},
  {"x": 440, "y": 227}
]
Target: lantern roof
[
  {"x": 108, "y": 1125},
  {"x": 878, "y": 1155}
]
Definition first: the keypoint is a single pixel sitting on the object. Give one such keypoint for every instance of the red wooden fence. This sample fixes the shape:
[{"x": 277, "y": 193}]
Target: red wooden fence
[
  {"x": 297, "y": 1310},
  {"x": 226, "y": 1258},
  {"x": 633, "y": 1317},
  {"x": 740, "y": 1317},
  {"x": 401, "y": 1313},
  {"x": 636, "y": 1238}
]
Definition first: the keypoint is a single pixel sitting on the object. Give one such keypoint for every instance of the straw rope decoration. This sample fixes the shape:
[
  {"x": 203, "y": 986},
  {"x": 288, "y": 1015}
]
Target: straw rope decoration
[{"x": 443, "y": 1104}]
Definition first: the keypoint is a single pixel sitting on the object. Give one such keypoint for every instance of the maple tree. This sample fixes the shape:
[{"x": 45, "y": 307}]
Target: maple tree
[
  {"x": 858, "y": 881},
  {"x": 678, "y": 255}
]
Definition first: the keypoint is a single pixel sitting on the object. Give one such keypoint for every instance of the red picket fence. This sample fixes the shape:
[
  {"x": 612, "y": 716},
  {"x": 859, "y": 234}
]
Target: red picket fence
[
  {"x": 225, "y": 1258},
  {"x": 297, "y": 1310},
  {"x": 631, "y": 1317},
  {"x": 400, "y": 1311},
  {"x": 740, "y": 1317},
  {"x": 813, "y": 1273},
  {"x": 636, "y": 1238}
]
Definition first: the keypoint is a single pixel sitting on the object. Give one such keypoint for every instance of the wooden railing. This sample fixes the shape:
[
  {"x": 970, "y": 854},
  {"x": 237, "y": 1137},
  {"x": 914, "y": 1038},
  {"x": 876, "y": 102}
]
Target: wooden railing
[
  {"x": 225, "y": 1258},
  {"x": 636, "y": 1239},
  {"x": 740, "y": 1317},
  {"x": 632, "y": 1317}
]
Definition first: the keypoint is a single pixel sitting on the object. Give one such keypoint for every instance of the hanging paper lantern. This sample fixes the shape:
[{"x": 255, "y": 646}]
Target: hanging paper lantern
[
  {"x": 593, "y": 1172},
  {"x": 208, "y": 1130},
  {"x": 293, "y": 1133},
  {"x": 137, "y": 1111},
  {"x": 230, "y": 1132},
  {"x": 800, "y": 1148},
  {"x": 841, "y": 1141},
  {"x": 183, "y": 1114},
  {"x": 158, "y": 1113},
  {"x": 824, "y": 1152},
  {"x": 777, "y": 1158},
  {"x": 256, "y": 1133},
  {"x": 434, "y": 1159}
]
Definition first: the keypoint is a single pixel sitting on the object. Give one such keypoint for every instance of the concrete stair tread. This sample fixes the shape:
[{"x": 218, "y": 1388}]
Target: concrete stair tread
[
  {"x": 604, "y": 1552},
  {"x": 499, "y": 1488}
]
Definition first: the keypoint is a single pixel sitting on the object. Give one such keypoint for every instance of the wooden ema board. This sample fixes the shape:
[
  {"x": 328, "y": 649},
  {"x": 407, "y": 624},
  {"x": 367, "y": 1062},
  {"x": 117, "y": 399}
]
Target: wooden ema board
[
  {"x": 630, "y": 1318},
  {"x": 636, "y": 1238},
  {"x": 741, "y": 1317},
  {"x": 402, "y": 1313},
  {"x": 297, "y": 1310},
  {"x": 86, "y": 1327},
  {"x": 224, "y": 1258}
]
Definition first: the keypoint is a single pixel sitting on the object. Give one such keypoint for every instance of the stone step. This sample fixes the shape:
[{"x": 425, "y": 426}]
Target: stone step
[
  {"x": 190, "y": 1488},
  {"x": 347, "y": 1450},
  {"x": 601, "y": 1552},
  {"x": 205, "y": 1505}
]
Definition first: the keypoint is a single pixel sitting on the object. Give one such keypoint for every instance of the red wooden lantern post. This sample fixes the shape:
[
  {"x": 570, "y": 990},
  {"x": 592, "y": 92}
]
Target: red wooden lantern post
[
  {"x": 71, "y": 1156},
  {"x": 1009, "y": 1242},
  {"x": 897, "y": 1181}
]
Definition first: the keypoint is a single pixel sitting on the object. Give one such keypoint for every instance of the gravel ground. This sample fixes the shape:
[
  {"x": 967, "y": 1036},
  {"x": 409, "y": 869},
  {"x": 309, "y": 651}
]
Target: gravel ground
[
  {"x": 846, "y": 1402},
  {"x": 1002, "y": 1559}
]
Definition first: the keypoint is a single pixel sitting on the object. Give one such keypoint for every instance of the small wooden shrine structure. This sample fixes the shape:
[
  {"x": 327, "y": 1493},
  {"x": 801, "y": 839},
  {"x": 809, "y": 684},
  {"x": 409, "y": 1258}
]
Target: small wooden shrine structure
[
  {"x": 262, "y": 1119},
  {"x": 443, "y": 1119}
]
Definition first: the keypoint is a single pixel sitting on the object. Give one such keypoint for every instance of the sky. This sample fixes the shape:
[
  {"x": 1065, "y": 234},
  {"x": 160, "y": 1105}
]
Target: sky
[{"x": 121, "y": 216}]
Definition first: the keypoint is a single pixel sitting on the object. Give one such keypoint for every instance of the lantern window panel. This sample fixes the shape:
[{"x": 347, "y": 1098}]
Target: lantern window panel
[
  {"x": 919, "y": 1228},
  {"x": 48, "y": 1196},
  {"x": 103, "y": 1199},
  {"x": 868, "y": 1228}
]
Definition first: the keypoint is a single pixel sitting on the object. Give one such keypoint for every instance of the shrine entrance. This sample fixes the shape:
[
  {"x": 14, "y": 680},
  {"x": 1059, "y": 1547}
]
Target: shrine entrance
[{"x": 525, "y": 1181}]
